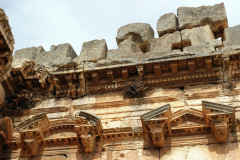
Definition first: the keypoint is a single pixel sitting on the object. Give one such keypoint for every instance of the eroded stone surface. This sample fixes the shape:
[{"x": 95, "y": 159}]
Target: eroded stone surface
[
  {"x": 197, "y": 36},
  {"x": 23, "y": 55},
  {"x": 127, "y": 48},
  {"x": 166, "y": 43},
  {"x": 215, "y": 16},
  {"x": 93, "y": 51},
  {"x": 57, "y": 55},
  {"x": 167, "y": 23},
  {"x": 200, "y": 49},
  {"x": 140, "y": 33},
  {"x": 232, "y": 36}
]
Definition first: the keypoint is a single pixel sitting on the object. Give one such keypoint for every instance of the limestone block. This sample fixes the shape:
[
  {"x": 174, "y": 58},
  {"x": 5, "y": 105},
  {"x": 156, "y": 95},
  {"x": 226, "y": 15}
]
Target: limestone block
[
  {"x": 200, "y": 49},
  {"x": 57, "y": 55},
  {"x": 23, "y": 55},
  {"x": 197, "y": 36},
  {"x": 215, "y": 16},
  {"x": 140, "y": 33},
  {"x": 232, "y": 36},
  {"x": 166, "y": 43},
  {"x": 167, "y": 23},
  {"x": 93, "y": 51},
  {"x": 127, "y": 48}
]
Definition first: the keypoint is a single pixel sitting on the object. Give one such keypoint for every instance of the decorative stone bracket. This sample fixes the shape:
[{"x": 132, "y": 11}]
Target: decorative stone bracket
[
  {"x": 215, "y": 118},
  {"x": 220, "y": 118}
]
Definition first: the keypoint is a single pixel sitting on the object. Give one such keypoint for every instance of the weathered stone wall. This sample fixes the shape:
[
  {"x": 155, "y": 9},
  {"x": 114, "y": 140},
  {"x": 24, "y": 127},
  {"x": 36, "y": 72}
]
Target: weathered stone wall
[{"x": 45, "y": 92}]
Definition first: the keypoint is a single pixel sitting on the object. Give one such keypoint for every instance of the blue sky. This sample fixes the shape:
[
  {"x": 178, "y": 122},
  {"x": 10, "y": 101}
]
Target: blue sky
[{"x": 52, "y": 22}]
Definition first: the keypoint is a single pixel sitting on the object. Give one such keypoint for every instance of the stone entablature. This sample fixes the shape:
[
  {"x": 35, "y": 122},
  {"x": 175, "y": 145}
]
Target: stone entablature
[{"x": 107, "y": 101}]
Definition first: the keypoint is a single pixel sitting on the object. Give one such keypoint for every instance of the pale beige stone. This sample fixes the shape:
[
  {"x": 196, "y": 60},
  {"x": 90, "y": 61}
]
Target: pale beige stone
[
  {"x": 214, "y": 16},
  {"x": 232, "y": 36},
  {"x": 93, "y": 51},
  {"x": 200, "y": 49},
  {"x": 60, "y": 54},
  {"x": 23, "y": 55},
  {"x": 126, "y": 48},
  {"x": 140, "y": 33},
  {"x": 166, "y": 43},
  {"x": 167, "y": 23},
  {"x": 197, "y": 36}
]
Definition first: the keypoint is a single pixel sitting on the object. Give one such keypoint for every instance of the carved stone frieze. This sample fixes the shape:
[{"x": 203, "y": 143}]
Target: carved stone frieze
[
  {"x": 215, "y": 118},
  {"x": 220, "y": 118}
]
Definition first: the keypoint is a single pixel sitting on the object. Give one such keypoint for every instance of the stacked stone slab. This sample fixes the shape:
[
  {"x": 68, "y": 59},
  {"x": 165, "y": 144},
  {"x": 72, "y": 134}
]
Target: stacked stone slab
[
  {"x": 167, "y": 23},
  {"x": 93, "y": 51},
  {"x": 214, "y": 16},
  {"x": 57, "y": 55},
  {"x": 232, "y": 36},
  {"x": 166, "y": 43},
  {"x": 140, "y": 33},
  {"x": 126, "y": 49},
  {"x": 199, "y": 40}
]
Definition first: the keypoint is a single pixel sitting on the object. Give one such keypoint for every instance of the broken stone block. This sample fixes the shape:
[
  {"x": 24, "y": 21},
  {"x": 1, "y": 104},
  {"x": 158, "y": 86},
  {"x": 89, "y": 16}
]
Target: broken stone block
[
  {"x": 166, "y": 43},
  {"x": 197, "y": 36},
  {"x": 214, "y": 16},
  {"x": 200, "y": 49},
  {"x": 232, "y": 36},
  {"x": 93, "y": 51},
  {"x": 22, "y": 55},
  {"x": 167, "y": 23},
  {"x": 57, "y": 55},
  {"x": 127, "y": 48},
  {"x": 140, "y": 33}
]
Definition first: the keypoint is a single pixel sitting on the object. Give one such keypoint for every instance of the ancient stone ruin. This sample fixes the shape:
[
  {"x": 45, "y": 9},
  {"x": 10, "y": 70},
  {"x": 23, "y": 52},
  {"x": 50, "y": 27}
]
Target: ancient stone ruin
[{"x": 172, "y": 97}]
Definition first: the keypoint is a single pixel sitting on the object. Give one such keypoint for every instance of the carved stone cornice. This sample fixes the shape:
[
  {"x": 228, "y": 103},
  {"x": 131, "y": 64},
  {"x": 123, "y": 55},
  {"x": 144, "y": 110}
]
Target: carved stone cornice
[
  {"x": 215, "y": 118},
  {"x": 220, "y": 118}
]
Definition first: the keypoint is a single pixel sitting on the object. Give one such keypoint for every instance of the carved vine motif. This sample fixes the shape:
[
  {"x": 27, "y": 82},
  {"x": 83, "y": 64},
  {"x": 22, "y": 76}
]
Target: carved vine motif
[{"x": 135, "y": 89}]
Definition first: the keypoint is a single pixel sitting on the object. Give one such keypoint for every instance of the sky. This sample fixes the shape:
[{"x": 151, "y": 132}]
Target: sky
[{"x": 52, "y": 22}]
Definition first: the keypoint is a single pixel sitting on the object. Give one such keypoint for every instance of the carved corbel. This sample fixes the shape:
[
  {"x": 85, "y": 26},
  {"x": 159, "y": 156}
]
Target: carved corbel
[
  {"x": 157, "y": 69},
  {"x": 81, "y": 79},
  {"x": 89, "y": 127},
  {"x": 191, "y": 66},
  {"x": 30, "y": 147},
  {"x": 221, "y": 131},
  {"x": 140, "y": 69},
  {"x": 157, "y": 134},
  {"x": 69, "y": 79},
  {"x": 88, "y": 141},
  {"x": 174, "y": 68},
  {"x": 220, "y": 118},
  {"x": 32, "y": 133},
  {"x": 95, "y": 77},
  {"x": 110, "y": 75},
  {"x": 125, "y": 73},
  {"x": 156, "y": 123},
  {"x": 208, "y": 63}
]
